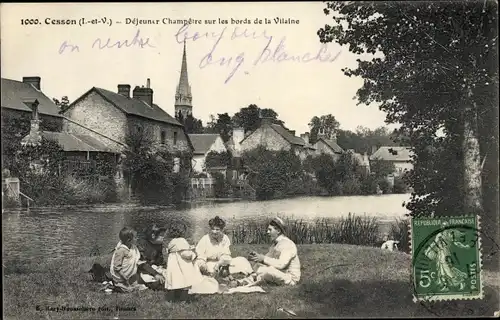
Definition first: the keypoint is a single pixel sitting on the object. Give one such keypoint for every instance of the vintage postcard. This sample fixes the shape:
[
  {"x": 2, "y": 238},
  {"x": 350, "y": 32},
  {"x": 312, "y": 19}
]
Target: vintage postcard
[{"x": 332, "y": 159}]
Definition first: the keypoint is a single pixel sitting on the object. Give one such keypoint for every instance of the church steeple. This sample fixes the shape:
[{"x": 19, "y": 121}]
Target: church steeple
[{"x": 183, "y": 97}]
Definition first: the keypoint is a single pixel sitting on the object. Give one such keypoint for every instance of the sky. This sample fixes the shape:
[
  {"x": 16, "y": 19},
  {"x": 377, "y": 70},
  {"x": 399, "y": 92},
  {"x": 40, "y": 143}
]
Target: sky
[{"x": 227, "y": 63}]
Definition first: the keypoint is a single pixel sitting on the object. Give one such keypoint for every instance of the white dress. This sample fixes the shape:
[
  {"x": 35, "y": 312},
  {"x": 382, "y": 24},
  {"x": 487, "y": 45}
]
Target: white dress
[{"x": 181, "y": 273}]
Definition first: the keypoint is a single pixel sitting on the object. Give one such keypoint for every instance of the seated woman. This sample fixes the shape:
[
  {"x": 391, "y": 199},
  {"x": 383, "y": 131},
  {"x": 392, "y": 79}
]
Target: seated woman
[
  {"x": 150, "y": 248},
  {"x": 213, "y": 252}
]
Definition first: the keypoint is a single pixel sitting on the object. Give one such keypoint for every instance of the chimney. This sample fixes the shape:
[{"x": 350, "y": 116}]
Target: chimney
[
  {"x": 292, "y": 132},
  {"x": 238, "y": 135},
  {"x": 143, "y": 94},
  {"x": 34, "y": 81},
  {"x": 148, "y": 83},
  {"x": 305, "y": 137},
  {"x": 124, "y": 90},
  {"x": 33, "y": 138}
]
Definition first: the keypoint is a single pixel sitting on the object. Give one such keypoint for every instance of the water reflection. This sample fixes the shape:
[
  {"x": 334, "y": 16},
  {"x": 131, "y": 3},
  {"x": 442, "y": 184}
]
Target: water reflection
[{"x": 69, "y": 232}]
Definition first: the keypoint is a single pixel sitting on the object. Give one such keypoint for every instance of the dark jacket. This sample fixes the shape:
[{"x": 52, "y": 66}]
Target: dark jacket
[{"x": 152, "y": 254}]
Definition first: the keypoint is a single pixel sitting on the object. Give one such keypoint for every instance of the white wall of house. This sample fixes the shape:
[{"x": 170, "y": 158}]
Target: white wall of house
[
  {"x": 198, "y": 162},
  {"x": 199, "y": 159},
  {"x": 401, "y": 167},
  {"x": 218, "y": 146}
]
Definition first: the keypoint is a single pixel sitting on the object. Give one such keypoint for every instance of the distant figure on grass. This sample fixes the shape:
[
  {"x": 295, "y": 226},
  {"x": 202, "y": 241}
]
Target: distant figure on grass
[
  {"x": 151, "y": 250},
  {"x": 281, "y": 265},
  {"x": 124, "y": 263},
  {"x": 389, "y": 244},
  {"x": 214, "y": 253},
  {"x": 181, "y": 273}
]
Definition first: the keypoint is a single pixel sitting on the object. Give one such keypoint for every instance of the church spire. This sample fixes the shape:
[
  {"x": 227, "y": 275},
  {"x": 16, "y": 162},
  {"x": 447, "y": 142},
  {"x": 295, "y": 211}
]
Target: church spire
[{"x": 183, "y": 97}]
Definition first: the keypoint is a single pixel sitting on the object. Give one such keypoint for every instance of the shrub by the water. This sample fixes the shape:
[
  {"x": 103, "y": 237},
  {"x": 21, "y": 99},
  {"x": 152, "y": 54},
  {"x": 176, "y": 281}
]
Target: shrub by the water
[{"x": 350, "y": 230}]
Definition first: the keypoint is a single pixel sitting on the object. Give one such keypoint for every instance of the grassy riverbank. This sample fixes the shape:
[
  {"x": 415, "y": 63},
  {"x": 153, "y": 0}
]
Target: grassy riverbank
[{"x": 337, "y": 281}]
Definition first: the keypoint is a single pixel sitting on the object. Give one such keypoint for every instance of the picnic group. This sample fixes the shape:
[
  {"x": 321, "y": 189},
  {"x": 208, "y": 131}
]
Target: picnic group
[{"x": 164, "y": 260}]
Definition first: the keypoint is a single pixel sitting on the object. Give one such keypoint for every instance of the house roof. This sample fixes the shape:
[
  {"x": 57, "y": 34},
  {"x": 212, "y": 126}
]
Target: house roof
[
  {"x": 392, "y": 154},
  {"x": 132, "y": 106},
  {"x": 203, "y": 142},
  {"x": 15, "y": 93},
  {"x": 331, "y": 144},
  {"x": 77, "y": 142},
  {"x": 294, "y": 140}
]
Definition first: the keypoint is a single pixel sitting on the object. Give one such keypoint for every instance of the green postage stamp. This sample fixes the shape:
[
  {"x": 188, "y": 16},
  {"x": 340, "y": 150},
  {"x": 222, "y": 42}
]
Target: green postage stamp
[{"x": 446, "y": 258}]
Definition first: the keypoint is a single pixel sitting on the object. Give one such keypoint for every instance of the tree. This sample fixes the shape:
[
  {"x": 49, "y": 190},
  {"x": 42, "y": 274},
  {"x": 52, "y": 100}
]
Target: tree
[
  {"x": 437, "y": 72},
  {"x": 382, "y": 169},
  {"x": 249, "y": 118},
  {"x": 190, "y": 123},
  {"x": 222, "y": 125},
  {"x": 327, "y": 124},
  {"x": 63, "y": 103}
]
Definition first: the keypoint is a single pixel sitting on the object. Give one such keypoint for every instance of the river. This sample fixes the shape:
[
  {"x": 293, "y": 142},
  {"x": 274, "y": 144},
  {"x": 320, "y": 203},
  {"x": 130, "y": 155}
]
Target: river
[{"x": 47, "y": 234}]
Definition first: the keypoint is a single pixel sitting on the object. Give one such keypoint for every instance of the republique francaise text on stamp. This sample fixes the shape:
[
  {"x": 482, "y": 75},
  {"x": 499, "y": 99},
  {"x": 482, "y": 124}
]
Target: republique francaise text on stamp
[{"x": 446, "y": 258}]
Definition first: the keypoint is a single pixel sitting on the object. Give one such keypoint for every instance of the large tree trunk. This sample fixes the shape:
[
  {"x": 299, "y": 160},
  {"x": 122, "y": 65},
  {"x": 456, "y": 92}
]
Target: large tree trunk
[{"x": 472, "y": 160}]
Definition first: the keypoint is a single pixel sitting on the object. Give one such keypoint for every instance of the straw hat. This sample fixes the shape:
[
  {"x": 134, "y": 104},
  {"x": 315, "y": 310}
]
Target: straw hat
[{"x": 278, "y": 223}]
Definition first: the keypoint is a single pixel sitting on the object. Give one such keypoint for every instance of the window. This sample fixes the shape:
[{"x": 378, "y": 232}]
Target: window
[
  {"x": 138, "y": 128},
  {"x": 175, "y": 138},
  {"x": 162, "y": 137}
]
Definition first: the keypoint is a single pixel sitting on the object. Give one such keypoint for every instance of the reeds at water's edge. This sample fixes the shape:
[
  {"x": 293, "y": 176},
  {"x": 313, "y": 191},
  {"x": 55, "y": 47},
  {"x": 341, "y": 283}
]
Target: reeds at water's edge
[{"x": 356, "y": 230}]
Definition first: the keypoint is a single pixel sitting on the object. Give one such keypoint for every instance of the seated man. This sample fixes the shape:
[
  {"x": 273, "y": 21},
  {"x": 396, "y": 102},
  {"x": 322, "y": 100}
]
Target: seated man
[
  {"x": 281, "y": 265},
  {"x": 150, "y": 248}
]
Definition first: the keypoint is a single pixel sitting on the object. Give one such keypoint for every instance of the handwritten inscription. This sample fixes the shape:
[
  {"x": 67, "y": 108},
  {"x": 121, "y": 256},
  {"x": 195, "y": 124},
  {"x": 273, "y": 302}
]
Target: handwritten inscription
[
  {"x": 137, "y": 41},
  {"x": 273, "y": 50}
]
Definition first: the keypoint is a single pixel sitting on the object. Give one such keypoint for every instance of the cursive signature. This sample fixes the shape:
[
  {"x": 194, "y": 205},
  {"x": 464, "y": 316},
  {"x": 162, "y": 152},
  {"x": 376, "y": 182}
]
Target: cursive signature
[
  {"x": 273, "y": 51},
  {"x": 136, "y": 41}
]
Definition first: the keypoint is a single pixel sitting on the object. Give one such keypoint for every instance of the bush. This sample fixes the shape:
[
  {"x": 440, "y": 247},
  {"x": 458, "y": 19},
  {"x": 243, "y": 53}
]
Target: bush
[
  {"x": 399, "y": 231},
  {"x": 400, "y": 185},
  {"x": 222, "y": 187},
  {"x": 351, "y": 186},
  {"x": 384, "y": 185},
  {"x": 350, "y": 230}
]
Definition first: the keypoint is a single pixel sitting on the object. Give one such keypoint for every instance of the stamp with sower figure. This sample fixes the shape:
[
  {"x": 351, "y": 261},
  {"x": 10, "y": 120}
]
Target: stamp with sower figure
[{"x": 446, "y": 258}]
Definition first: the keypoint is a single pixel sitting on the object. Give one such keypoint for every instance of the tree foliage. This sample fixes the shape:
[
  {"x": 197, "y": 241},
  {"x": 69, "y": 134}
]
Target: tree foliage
[
  {"x": 434, "y": 70},
  {"x": 250, "y": 117},
  {"x": 326, "y": 124},
  {"x": 152, "y": 170},
  {"x": 221, "y": 125},
  {"x": 190, "y": 123},
  {"x": 63, "y": 104},
  {"x": 272, "y": 173},
  {"x": 217, "y": 159}
]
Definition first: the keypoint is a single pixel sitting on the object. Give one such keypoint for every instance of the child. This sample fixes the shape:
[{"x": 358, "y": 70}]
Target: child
[
  {"x": 181, "y": 273},
  {"x": 124, "y": 263}
]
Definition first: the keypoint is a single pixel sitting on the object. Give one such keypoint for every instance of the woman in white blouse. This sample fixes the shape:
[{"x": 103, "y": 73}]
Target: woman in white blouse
[{"x": 213, "y": 251}]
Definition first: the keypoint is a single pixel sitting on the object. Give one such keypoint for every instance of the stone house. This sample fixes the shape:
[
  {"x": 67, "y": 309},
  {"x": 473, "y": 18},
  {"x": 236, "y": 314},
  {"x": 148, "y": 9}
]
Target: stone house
[
  {"x": 113, "y": 117},
  {"x": 276, "y": 138},
  {"x": 203, "y": 144},
  {"x": 399, "y": 156},
  {"x": 118, "y": 115},
  {"x": 324, "y": 145},
  {"x": 29, "y": 116},
  {"x": 17, "y": 106},
  {"x": 362, "y": 160}
]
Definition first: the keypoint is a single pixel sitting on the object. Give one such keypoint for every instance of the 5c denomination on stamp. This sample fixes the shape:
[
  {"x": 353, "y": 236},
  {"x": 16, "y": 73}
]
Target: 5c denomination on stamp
[{"x": 446, "y": 258}]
